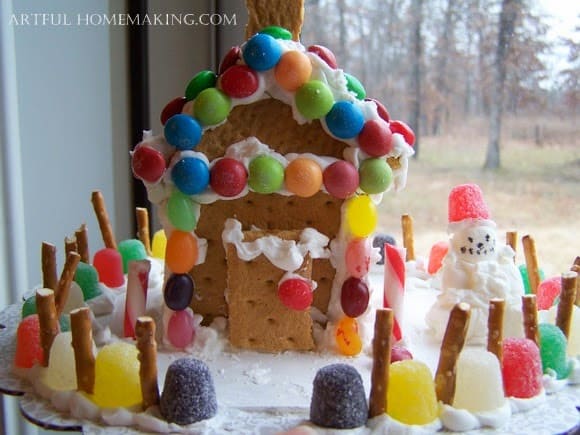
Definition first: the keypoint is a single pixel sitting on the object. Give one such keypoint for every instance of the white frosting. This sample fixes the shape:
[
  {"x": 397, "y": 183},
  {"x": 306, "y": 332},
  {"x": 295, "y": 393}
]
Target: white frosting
[
  {"x": 462, "y": 420},
  {"x": 520, "y": 404}
]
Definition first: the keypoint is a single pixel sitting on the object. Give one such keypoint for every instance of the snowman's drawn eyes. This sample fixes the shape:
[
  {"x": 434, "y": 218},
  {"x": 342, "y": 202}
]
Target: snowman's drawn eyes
[
  {"x": 479, "y": 245},
  {"x": 487, "y": 237},
  {"x": 470, "y": 239}
]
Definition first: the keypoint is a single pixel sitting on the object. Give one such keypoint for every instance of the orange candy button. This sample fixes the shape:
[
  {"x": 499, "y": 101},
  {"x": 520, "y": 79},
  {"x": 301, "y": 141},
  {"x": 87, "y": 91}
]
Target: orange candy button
[
  {"x": 293, "y": 70},
  {"x": 181, "y": 252},
  {"x": 303, "y": 177},
  {"x": 347, "y": 338}
]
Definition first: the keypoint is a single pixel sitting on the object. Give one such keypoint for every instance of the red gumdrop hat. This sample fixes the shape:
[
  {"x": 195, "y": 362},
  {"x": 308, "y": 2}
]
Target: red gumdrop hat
[{"x": 466, "y": 202}]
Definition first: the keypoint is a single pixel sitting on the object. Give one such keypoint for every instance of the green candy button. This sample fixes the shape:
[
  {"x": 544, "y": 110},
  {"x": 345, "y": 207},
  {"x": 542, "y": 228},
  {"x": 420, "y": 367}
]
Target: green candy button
[
  {"x": 202, "y": 80},
  {"x": 266, "y": 174},
  {"x": 354, "y": 85},
  {"x": 277, "y": 32},
  {"x": 211, "y": 106},
  {"x": 314, "y": 99},
  {"x": 375, "y": 175}
]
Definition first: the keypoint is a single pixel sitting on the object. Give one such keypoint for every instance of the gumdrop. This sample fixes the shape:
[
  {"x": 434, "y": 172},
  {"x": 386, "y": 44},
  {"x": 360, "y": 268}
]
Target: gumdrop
[
  {"x": 87, "y": 277},
  {"x": 411, "y": 397},
  {"x": 117, "y": 381},
  {"x": 131, "y": 249},
  {"x": 61, "y": 372},
  {"x": 547, "y": 292},
  {"x": 466, "y": 202},
  {"x": 526, "y": 279},
  {"x": 400, "y": 353},
  {"x": 29, "y": 307},
  {"x": 338, "y": 398},
  {"x": 438, "y": 252},
  {"x": 109, "y": 265},
  {"x": 188, "y": 393},
  {"x": 479, "y": 384},
  {"x": 379, "y": 242},
  {"x": 28, "y": 349},
  {"x": 75, "y": 299},
  {"x": 521, "y": 368},
  {"x": 553, "y": 350}
]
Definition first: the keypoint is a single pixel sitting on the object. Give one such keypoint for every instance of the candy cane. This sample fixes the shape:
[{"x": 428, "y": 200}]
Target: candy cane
[
  {"x": 394, "y": 285},
  {"x": 136, "y": 297}
]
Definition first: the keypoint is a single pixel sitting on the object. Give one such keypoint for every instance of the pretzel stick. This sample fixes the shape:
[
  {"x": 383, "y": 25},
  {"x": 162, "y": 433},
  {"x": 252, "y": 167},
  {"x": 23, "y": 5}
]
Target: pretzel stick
[
  {"x": 566, "y": 305},
  {"x": 495, "y": 328},
  {"x": 408, "y": 238},
  {"x": 47, "y": 320},
  {"x": 530, "y": 314},
  {"x": 49, "y": 274},
  {"x": 576, "y": 268},
  {"x": 66, "y": 278},
  {"x": 82, "y": 343},
  {"x": 283, "y": 13},
  {"x": 451, "y": 347},
  {"x": 143, "y": 228},
  {"x": 381, "y": 362},
  {"x": 82, "y": 237},
  {"x": 147, "y": 346},
  {"x": 70, "y": 245},
  {"x": 511, "y": 239},
  {"x": 531, "y": 263},
  {"x": 103, "y": 219}
]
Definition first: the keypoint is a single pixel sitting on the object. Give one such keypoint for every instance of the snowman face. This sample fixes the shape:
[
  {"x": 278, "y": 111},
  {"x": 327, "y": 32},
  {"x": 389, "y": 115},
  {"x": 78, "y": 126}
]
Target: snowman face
[{"x": 475, "y": 244}]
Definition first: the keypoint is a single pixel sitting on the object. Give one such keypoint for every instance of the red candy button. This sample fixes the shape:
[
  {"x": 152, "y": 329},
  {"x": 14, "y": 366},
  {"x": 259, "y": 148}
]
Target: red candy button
[
  {"x": 404, "y": 129},
  {"x": 239, "y": 81},
  {"x": 230, "y": 59},
  {"x": 381, "y": 109},
  {"x": 174, "y": 107},
  {"x": 341, "y": 179},
  {"x": 148, "y": 164},
  {"x": 376, "y": 138},
  {"x": 228, "y": 177},
  {"x": 325, "y": 54}
]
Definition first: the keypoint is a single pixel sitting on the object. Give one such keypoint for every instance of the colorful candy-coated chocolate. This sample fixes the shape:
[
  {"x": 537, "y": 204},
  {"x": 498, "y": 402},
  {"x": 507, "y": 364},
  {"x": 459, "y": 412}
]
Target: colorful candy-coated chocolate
[
  {"x": 277, "y": 32},
  {"x": 181, "y": 253},
  {"x": 109, "y": 265},
  {"x": 130, "y": 250},
  {"x": 361, "y": 216},
  {"x": 181, "y": 329},
  {"x": 381, "y": 109},
  {"x": 178, "y": 291},
  {"x": 190, "y": 175},
  {"x": 148, "y": 164},
  {"x": 303, "y": 177},
  {"x": 521, "y": 368},
  {"x": 376, "y": 138},
  {"x": 266, "y": 174},
  {"x": 202, "y": 80},
  {"x": 159, "y": 244},
  {"x": 262, "y": 52},
  {"x": 295, "y": 293},
  {"x": 239, "y": 81},
  {"x": 553, "y": 350},
  {"x": 355, "y": 86},
  {"x": 345, "y": 120},
  {"x": 347, "y": 338},
  {"x": 230, "y": 59},
  {"x": 174, "y": 107},
  {"x": 87, "y": 277},
  {"x": 28, "y": 349},
  {"x": 314, "y": 99},
  {"x": 354, "y": 297},
  {"x": 182, "y": 131},
  {"x": 293, "y": 70},
  {"x": 228, "y": 177},
  {"x": 547, "y": 292},
  {"x": 436, "y": 255},
  {"x": 375, "y": 175},
  {"x": 357, "y": 258},
  {"x": 340, "y": 179},
  {"x": 211, "y": 106},
  {"x": 325, "y": 54},
  {"x": 402, "y": 128},
  {"x": 181, "y": 211}
]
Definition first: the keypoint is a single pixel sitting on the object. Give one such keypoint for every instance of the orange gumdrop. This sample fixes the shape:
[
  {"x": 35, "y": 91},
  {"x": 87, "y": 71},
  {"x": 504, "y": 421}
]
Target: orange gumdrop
[
  {"x": 303, "y": 177},
  {"x": 181, "y": 252},
  {"x": 347, "y": 338},
  {"x": 438, "y": 251},
  {"x": 293, "y": 70}
]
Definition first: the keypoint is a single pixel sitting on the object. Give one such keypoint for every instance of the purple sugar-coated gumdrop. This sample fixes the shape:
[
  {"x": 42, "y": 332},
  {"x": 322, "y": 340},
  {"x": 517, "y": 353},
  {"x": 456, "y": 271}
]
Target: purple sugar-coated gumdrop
[
  {"x": 109, "y": 265},
  {"x": 466, "y": 202},
  {"x": 379, "y": 242},
  {"x": 188, "y": 393},
  {"x": 521, "y": 368},
  {"x": 338, "y": 398}
]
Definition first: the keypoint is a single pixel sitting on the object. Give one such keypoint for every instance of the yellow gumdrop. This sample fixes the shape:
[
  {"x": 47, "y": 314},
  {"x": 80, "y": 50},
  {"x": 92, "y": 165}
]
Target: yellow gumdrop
[
  {"x": 361, "y": 216},
  {"x": 159, "y": 244},
  {"x": 347, "y": 338},
  {"x": 411, "y": 395},
  {"x": 117, "y": 376}
]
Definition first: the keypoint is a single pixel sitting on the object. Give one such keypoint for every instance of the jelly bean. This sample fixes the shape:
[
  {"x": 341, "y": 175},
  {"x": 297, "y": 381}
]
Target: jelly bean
[
  {"x": 402, "y": 128},
  {"x": 178, "y": 291},
  {"x": 181, "y": 329},
  {"x": 29, "y": 306},
  {"x": 345, "y": 120},
  {"x": 547, "y": 292},
  {"x": 266, "y": 174},
  {"x": 357, "y": 258},
  {"x": 230, "y": 59},
  {"x": 239, "y": 81},
  {"x": 376, "y": 138},
  {"x": 400, "y": 353},
  {"x": 355, "y": 86},
  {"x": 295, "y": 293},
  {"x": 354, "y": 297},
  {"x": 325, "y": 54},
  {"x": 159, "y": 244},
  {"x": 347, "y": 338},
  {"x": 182, "y": 131},
  {"x": 262, "y": 52},
  {"x": 314, "y": 99},
  {"x": 131, "y": 250},
  {"x": 375, "y": 175},
  {"x": 181, "y": 253},
  {"x": 303, "y": 177},
  {"x": 28, "y": 349},
  {"x": 211, "y": 106},
  {"x": 202, "y": 80},
  {"x": 181, "y": 211},
  {"x": 174, "y": 107},
  {"x": 109, "y": 265},
  {"x": 190, "y": 175},
  {"x": 228, "y": 177},
  {"x": 277, "y": 32},
  {"x": 553, "y": 350},
  {"x": 340, "y": 179},
  {"x": 147, "y": 164},
  {"x": 87, "y": 277},
  {"x": 361, "y": 216},
  {"x": 381, "y": 109},
  {"x": 293, "y": 70}
]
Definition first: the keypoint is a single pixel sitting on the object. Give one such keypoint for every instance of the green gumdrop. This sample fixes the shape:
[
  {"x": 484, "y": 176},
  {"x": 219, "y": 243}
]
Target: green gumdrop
[
  {"x": 266, "y": 174},
  {"x": 526, "y": 278},
  {"x": 354, "y": 85},
  {"x": 87, "y": 277},
  {"x": 314, "y": 99},
  {"x": 375, "y": 175},
  {"x": 202, "y": 80},
  {"x": 131, "y": 249},
  {"x": 211, "y": 106},
  {"x": 64, "y": 323},
  {"x": 277, "y": 32},
  {"x": 29, "y": 307},
  {"x": 553, "y": 350},
  {"x": 181, "y": 211}
]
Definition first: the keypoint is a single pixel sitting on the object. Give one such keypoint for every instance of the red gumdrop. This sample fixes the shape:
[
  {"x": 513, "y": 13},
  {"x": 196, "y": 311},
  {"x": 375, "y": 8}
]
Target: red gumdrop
[
  {"x": 341, "y": 179},
  {"x": 109, "y": 264},
  {"x": 547, "y": 292},
  {"x": 521, "y": 368},
  {"x": 466, "y": 202},
  {"x": 438, "y": 251},
  {"x": 180, "y": 329},
  {"x": 357, "y": 258},
  {"x": 228, "y": 177},
  {"x": 230, "y": 59},
  {"x": 376, "y": 138},
  {"x": 381, "y": 109},
  {"x": 354, "y": 297},
  {"x": 28, "y": 349},
  {"x": 402, "y": 128},
  {"x": 239, "y": 81},
  {"x": 295, "y": 293},
  {"x": 325, "y": 54},
  {"x": 400, "y": 353},
  {"x": 148, "y": 164},
  {"x": 174, "y": 107}
]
